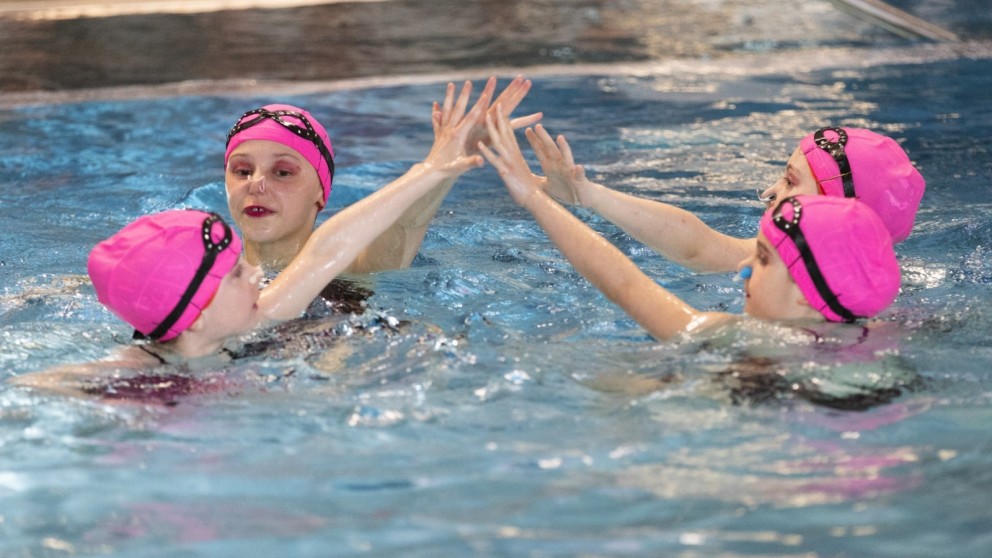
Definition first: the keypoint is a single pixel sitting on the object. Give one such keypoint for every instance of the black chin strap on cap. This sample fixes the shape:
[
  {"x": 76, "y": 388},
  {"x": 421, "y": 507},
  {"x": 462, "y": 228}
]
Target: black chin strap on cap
[
  {"x": 210, "y": 252},
  {"x": 792, "y": 230}
]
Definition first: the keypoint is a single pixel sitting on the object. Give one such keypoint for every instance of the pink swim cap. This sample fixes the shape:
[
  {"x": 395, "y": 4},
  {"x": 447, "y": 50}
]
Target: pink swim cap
[
  {"x": 838, "y": 251},
  {"x": 159, "y": 272},
  {"x": 854, "y": 162},
  {"x": 293, "y": 127}
]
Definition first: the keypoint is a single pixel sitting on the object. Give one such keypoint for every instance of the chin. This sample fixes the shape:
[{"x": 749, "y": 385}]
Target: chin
[{"x": 256, "y": 233}]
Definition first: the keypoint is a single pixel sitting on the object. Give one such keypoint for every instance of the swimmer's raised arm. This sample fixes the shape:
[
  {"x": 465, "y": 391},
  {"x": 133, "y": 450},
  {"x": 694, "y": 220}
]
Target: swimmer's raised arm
[
  {"x": 656, "y": 309},
  {"x": 397, "y": 245},
  {"x": 671, "y": 231},
  {"x": 333, "y": 247}
]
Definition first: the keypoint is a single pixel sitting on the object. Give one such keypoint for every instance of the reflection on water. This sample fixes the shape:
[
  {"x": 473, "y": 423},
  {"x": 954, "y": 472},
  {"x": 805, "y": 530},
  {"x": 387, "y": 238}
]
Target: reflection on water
[{"x": 489, "y": 402}]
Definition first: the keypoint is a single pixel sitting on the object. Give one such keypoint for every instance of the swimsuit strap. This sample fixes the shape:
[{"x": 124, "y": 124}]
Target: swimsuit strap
[{"x": 153, "y": 353}]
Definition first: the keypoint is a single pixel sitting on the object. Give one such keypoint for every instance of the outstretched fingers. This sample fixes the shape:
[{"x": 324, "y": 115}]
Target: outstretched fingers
[
  {"x": 542, "y": 144},
  {"x": 481, "y": 107},
  {"x": 511, "y": 96},
  {"x": 525, "y": 121},
  {"x": 578, "y": 172},
  {"x": 449, "y": 102},
  {"x": 510, "y": 99},
  {"x": 486, "y": 96},
  {"x": 458, "y": 111},
  {"x": 561, "y": 172},
  {"x": 437, "y": 118},
  {"x": 566, "y": 150},
  {"x": 501, "y": 134},
  {"x": 505, "y": 156}
]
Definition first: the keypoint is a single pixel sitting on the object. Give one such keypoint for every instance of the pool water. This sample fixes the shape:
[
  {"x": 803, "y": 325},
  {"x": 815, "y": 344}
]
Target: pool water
[{"x": 489, "y": 401}]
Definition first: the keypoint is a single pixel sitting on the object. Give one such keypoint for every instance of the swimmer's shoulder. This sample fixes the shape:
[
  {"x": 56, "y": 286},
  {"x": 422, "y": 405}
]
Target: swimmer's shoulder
[{"x": 709, "y": 324}]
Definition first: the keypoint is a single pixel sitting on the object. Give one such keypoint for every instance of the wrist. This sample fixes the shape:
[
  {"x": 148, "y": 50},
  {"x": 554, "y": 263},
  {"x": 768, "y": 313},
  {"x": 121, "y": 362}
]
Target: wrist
[
  {"x": 533, "y": 198},
  {"x": 590, "y": 195},
  {"x": 426, "y": 170},
  {"x": 439, "y": 170}
]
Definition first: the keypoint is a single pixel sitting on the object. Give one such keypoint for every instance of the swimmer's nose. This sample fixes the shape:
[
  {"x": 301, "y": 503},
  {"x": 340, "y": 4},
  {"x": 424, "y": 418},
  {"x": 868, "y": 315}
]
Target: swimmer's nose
[
  {"x": 766, "y": 197},
  {"x": 257, "y": 185},
  {"x": 744, "y": 273}
]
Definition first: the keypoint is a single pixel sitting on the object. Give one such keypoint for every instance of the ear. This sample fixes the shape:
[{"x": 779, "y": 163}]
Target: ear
[
  {"x": 320, "y": 196},
  {"x": 806, "y": 308}
]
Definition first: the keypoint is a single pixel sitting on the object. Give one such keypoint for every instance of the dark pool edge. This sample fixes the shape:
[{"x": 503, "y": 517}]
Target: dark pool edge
[{"x": 758, "y": 63}]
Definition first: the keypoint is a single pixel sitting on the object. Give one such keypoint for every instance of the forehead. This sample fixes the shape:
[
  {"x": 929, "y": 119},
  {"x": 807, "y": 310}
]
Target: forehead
[
  {"x": 798, "y": 161},
  {"x": 265, "y": 149}
]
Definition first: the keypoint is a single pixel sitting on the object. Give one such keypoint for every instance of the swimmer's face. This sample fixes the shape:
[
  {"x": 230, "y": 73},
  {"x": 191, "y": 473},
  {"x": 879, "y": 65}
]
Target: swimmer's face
[
  {"x": 797, "y": 180},
  {"x": 273, "y": 194},
  {"x": 233, "y": 309},
  {"x": 771, "y": 293}
]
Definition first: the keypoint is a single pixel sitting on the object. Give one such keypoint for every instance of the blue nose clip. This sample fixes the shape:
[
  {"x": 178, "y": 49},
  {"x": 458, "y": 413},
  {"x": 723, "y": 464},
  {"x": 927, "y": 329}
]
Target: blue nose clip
[{"x": 745, "y": 272}]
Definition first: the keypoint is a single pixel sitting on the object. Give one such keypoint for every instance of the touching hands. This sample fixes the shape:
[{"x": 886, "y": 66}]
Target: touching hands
[
  {"x": 453, "y": 127},
  {"x": 507, "y": 102},
  {"x": 508, "y": 160}
]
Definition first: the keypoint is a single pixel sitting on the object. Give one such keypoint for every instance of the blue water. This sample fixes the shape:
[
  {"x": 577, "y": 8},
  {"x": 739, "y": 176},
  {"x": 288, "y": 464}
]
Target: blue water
[{"x": 514, "y": 412}]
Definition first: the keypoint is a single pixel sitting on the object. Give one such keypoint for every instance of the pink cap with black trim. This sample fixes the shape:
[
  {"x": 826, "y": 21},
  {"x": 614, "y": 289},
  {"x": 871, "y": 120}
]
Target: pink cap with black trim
[
  {"x": 264, "y": 124},
  {"x": 160, "y": 271},
  {"x": 838, "y": 252},
  {"x": 878, "y": 172}
]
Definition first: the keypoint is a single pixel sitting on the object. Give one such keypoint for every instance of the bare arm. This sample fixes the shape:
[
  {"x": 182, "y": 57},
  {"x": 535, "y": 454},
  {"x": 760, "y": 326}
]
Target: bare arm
[
  {"x": 671, "y": 231},
  {"x": 397, "y": 246},
  {"x": 73, "y": 379},
  {"x": 656, "y": 309},
  {"x": 333, "y": 247}
]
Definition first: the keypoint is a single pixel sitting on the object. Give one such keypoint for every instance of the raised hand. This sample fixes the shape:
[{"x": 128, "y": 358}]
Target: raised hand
[
  {"x": 564, "y": 180},
  {"x": 506, "y": 103},
  {"x": 505, "y": 156},
  {"x": 453, "y": 126}
]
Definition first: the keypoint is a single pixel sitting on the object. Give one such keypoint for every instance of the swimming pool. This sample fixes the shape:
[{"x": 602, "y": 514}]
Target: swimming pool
[{"x": 517, "y": 413}]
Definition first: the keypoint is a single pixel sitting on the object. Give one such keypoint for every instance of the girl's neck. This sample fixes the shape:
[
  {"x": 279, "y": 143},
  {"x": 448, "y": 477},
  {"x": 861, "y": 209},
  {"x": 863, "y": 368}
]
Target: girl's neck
[
  {"x": 180, "y": 354},
  {"x": 190, "y": 346},
  {"x": 274, "y": 256}
]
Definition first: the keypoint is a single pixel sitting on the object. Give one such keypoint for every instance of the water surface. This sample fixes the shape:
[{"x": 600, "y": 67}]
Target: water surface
[{"x": 490, "y": 402}]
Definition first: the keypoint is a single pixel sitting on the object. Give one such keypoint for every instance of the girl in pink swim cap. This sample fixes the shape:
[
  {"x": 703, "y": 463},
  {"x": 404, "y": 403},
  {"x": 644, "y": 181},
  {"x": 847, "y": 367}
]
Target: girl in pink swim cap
[
  {"x": 843, "y": 162},
  {"x": 180, "y": 277},
  {"x": 279, "y": 173},
  {"x": 816, "y": 258}
]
